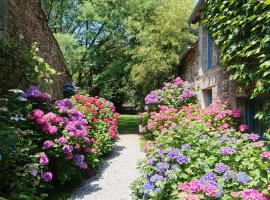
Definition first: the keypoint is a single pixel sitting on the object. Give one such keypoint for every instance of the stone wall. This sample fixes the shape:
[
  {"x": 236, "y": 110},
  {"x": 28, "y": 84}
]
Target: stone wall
[
  {"x": 27, "y": 23},
  {"x": 214, "y": 79}
]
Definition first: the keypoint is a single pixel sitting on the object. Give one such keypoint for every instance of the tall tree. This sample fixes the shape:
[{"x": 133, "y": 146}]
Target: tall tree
[{"x": 112, "y": 46}]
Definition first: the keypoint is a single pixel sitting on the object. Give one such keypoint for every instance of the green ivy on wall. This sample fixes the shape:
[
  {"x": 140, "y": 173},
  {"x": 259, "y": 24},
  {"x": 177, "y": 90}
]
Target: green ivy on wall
[{"x": 241, "y": 29}]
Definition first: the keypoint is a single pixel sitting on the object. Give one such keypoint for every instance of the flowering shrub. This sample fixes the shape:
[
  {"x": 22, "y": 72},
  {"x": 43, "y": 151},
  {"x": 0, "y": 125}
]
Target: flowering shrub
[
  {"x": 174, "y": 95},
  {"x": 63, "y": 142},
  {"x": 206, "y": 155},
  {"x": 102, "y": 120}
]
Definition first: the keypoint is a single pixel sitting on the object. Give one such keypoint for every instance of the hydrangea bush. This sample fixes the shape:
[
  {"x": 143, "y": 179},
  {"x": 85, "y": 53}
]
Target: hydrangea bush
[
  {"x": 62, "y": 142},
  {"x": 206, "y": 154},
  {"x": 174, "y": 95}
]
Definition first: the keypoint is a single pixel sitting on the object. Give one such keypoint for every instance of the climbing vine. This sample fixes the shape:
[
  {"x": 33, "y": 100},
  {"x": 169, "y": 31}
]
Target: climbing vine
[{"x": 241, "y": 29}]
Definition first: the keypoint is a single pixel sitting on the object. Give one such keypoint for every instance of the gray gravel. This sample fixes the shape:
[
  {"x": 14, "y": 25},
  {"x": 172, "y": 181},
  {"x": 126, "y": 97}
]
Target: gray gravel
[{"x": 118, "y": 171}]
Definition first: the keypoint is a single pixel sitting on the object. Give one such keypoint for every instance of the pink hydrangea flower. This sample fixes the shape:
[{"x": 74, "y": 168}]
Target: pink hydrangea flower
[
  {"x": 37, "y": 113},
  {"x": 243, "y": 127},
  {"x": 43, "y": 159},
  {"x": 48, "y": 144},
  {"x": 183, "y": 187},
  {"x": 266, "y": 155},
  {"x": 147, "y": 147},
  {"x": 192, "y": 197},
  {"x": 195, "y": 186},
  {"x": 62, "y": 140},
  {"x": 236, "y": 113},
  {"x": 251, "y": 194},
  {"x": 210, "y": 190}
]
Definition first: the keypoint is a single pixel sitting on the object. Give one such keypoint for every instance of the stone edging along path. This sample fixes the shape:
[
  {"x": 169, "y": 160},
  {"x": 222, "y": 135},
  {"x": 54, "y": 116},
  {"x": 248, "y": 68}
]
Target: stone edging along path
[{"x": 116, "y": 174}]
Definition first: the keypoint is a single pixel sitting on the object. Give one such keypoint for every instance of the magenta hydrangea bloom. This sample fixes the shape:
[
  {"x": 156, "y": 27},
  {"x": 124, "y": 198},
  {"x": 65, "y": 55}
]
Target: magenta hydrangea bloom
[
  {"x": 43, "y": 159},
  {"x": 47, "y": 176},
  {"x": 251, "y": 194},
  {"x": 210, "y": 190},
  {"x": 243, "y": 127},
  {"x": 37, "y": 114},
  {"x": 266, "y": 155},
  {"x": 48, "y": 144}
]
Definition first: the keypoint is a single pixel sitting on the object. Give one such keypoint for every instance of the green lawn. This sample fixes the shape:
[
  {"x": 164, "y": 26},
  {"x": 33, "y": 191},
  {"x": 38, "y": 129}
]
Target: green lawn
[{"x": 128, "y": 124}]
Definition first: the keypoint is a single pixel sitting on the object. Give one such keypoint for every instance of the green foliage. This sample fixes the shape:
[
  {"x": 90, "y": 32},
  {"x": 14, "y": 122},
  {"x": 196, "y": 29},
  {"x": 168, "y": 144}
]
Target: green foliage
[
  {"x": 241, "y": 30},
  {"x": 244, "y": 49},
  {"x": 17, "y": 143},
  {"x": 160, "y": 38},
  {"x": 106, "y": 41}
]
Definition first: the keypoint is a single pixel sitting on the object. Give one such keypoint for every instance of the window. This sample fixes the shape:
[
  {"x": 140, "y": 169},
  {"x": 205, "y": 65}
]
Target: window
[
  {"x": 252, "y": 107},
  {"x": 206, "y": 49},
  {"x": 2, "y": 19},
  {"x": 208, "y": 97}
]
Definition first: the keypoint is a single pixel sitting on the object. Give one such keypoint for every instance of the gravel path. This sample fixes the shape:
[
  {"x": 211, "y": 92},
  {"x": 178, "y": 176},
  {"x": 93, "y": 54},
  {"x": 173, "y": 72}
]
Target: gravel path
[{"x": 117, "y": 172}]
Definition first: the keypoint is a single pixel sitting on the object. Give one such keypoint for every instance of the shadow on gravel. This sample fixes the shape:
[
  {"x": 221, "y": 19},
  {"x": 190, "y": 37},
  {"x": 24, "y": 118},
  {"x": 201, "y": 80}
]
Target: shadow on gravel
[{"x": 87, "y": 186}]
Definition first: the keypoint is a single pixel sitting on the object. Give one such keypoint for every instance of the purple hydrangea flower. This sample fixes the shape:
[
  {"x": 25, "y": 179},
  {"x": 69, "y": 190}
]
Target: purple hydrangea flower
[
  {"x": 227, "y": 151},
  {"x": 47, "y": 176},
  {"x": 182, "y": 159},
  {"x": 32, "y": 93},
  {"x": 242, "y": 177},
  {"x": 161, "y": 152},
  {"x": 253, "y": 136},
  {"x": 64, "y": 105},
  {"x": 152, "y": 162},
  {"x": 43, "y": 159},
  {"x": 162, "y": 167},
  {"x": 173, "y": 154},
  {"x": 156, "y": 178},
  {"x": 221, "y": 168},
  {"x": 187, "y": 94},
  {"x": 67, "y": 149}
]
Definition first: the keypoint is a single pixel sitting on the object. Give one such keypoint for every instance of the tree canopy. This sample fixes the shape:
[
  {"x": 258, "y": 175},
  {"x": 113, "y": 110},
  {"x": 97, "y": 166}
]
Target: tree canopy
[{"x": 112, "y": 47}]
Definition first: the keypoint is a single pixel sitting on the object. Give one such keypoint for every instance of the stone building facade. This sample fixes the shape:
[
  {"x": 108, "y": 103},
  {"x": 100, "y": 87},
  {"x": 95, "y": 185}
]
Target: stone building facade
[
  {"x": 202, "y": 66},
  {"x": 25, "y": 21}
]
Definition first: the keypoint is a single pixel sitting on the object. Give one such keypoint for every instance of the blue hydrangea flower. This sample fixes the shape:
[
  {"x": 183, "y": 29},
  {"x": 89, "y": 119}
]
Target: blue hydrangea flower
[
  {"x": 156, "y": 178},
  {"x": 242, "y": 177},
  {"x": 148, "y": 187},
  {"x": 228, "y": 175},
  {"x": 209, "y": 178}
]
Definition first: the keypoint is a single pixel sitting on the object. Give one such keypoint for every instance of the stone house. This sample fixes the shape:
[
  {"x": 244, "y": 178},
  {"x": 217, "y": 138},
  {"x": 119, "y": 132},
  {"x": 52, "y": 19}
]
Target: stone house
[
  {"x": 202, "y": 66},
  {"x": 25, "y": 21}
]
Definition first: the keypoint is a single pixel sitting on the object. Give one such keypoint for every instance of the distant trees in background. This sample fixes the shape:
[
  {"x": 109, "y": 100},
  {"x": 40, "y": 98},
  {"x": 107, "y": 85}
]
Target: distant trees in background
[{"x": 120, "y": 49}]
